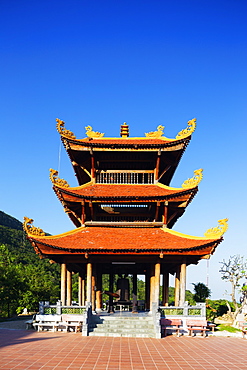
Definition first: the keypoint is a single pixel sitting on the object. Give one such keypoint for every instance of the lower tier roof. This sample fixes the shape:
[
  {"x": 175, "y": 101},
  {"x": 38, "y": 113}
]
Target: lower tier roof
[{"x": 123, "y": 240}]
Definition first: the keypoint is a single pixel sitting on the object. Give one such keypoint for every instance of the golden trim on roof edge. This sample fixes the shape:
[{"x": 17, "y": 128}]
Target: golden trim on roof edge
[
  {"x": 194, "y": 181},
  {"x": 218, "y": 231},
  {"x": 30, "y": 229},
  {"x": 56, "y": 180},
  {"x": 182, "y": 235},
  {"x": 188, "y": 130},
  {"x": 93, "y": 134},
  {"x": 158, "y": 134},
  {"x": 62, "y": 131}
]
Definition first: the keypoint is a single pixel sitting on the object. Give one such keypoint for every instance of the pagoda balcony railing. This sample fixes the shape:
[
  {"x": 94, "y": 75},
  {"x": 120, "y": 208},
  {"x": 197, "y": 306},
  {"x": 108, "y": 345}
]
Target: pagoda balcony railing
[
  {"x": 198, "y": 310},
  {"x": 125, "y": 224},
  {"x": 125, "y": 177},
  {"x": 124, "y": 219}
]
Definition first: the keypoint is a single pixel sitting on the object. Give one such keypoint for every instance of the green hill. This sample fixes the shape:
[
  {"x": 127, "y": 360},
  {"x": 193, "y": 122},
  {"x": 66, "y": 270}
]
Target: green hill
[
  {"x": 9, "y": 221},
  {"x": 25, "y": 279}
]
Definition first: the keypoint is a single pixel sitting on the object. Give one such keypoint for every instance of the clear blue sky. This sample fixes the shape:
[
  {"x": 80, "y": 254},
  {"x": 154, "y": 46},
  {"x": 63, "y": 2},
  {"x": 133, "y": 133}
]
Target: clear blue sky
[{"x": 101, "y": 63}]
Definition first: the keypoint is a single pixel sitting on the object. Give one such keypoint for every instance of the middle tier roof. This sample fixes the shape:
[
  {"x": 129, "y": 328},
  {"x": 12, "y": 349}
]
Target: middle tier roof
[
  {"x": 120, "y": 202},
  {"x": 130, "y": 191}
]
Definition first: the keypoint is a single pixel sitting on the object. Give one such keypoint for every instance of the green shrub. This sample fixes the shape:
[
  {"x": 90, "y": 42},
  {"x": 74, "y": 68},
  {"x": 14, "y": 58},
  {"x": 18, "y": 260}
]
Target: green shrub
[{"x": 231, "y": 329}]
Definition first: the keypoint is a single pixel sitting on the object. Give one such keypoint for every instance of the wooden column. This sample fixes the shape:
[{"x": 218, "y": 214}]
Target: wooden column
[
  {"x": 63, "y": 283},
  {"x": 69, "y": 288},
  {"x": 152, "y": 284},
  {"x": 157, "y": 167},
  {"x": 83, "y": 298},
  {"x": 92, "y": 165},
  {"x": 83, "y": 212},
  {"x": 165, "y": 214},
  {"x": 134, "y": 308},
  {"x": 157, "y": 283},
  {"x": 182, "y": 283},
  {"x": 177, "y": 286},
  {"x": 157, "y": 211},
  {"x": 91, "y": 210},
  {"x": 147, "y": 290},
  {"x": 99, "y": 291},
  {"x": 89, "y": 282},
  {"x": 93, "y": 292},
  {"x": 79, "y": 290},
  {"x": 111, "y": 278},
  {"x": 165, "y": 292}
]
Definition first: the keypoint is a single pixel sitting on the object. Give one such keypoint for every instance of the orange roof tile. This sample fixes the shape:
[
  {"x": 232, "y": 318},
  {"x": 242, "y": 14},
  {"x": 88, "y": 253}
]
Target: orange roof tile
[
  {"x": 102, "y": 240},
  {"x": 120, "y": 190}
]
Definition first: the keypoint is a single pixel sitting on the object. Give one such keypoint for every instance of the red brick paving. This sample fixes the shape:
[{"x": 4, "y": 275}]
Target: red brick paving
[{"x": 20, "y": 349}]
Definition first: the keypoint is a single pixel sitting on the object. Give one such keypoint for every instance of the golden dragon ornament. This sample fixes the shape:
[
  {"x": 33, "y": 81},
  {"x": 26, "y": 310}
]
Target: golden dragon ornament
[
  {"x": 30, "y": 229},
  {"x": 218, "y": 231}
]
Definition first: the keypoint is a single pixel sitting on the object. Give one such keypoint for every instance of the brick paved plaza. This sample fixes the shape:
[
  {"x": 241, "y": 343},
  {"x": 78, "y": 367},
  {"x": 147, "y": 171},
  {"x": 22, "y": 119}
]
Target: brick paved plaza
[{"x": 21, "y": 349}]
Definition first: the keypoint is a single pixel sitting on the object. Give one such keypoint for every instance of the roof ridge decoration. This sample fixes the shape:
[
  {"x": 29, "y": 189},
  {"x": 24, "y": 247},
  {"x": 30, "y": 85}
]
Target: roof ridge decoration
[
  {"x": 156, "y": 134},
  {"x": 188, "y": 130},
  {"x": 62, "y": 130},
  {"x": 194, "y": 181},
  {"x": 30, "y": 229},
  {"x": 93, "y": 134},
  {"x": 218, "y": 231},
  {"x": 56, "y": 180}
]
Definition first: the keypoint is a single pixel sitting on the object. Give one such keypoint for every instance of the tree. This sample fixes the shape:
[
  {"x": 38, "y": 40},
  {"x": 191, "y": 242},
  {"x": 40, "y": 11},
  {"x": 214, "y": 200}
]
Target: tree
[
  {"x": 202, "y": 292},
  {"x": 233, "y": 271},
  {"x": 11, "y": 283},
  {"x": 216, "y": 308}
]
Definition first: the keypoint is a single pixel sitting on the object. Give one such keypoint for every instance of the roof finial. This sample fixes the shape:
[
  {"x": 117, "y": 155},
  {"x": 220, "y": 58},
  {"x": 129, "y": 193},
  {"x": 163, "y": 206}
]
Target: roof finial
[{"x": 124, "y": 130}]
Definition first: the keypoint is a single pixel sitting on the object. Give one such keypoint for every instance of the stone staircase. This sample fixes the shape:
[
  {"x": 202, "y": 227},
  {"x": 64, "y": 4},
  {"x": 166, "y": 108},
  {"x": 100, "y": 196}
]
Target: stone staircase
[{"x": 134, "y": 326}]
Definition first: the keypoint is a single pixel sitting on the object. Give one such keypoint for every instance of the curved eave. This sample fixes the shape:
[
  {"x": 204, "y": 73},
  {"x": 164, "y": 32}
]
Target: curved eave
[
  {"x": 109, "y": 240},
  {"x": 138, "y": 192},
  {"x": 125, "y": 143}
]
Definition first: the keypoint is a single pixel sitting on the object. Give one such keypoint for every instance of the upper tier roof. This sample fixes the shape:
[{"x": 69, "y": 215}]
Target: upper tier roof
[
  {"x": 105, "y": 240},
  {"x": 153, "y": 139},
  {"x": 96, "y": 153}
]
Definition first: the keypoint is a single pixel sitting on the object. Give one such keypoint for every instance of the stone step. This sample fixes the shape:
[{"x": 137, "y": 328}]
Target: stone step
[
  {"x": 128, "y": 335},
  {"x": 127, "y": 326},
  {"x": 116, "y": 329},
  {"x": 112, "y": 326}
]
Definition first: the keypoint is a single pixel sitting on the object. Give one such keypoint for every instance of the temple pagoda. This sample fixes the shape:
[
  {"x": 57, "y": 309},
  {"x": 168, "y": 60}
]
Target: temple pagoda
[{"x": 124, "y": 210}]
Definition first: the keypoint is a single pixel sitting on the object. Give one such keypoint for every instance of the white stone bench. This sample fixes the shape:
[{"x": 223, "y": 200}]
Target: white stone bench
[
  {"x": 47, "y": 322},
  {"x": 73, "y": 322}
]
